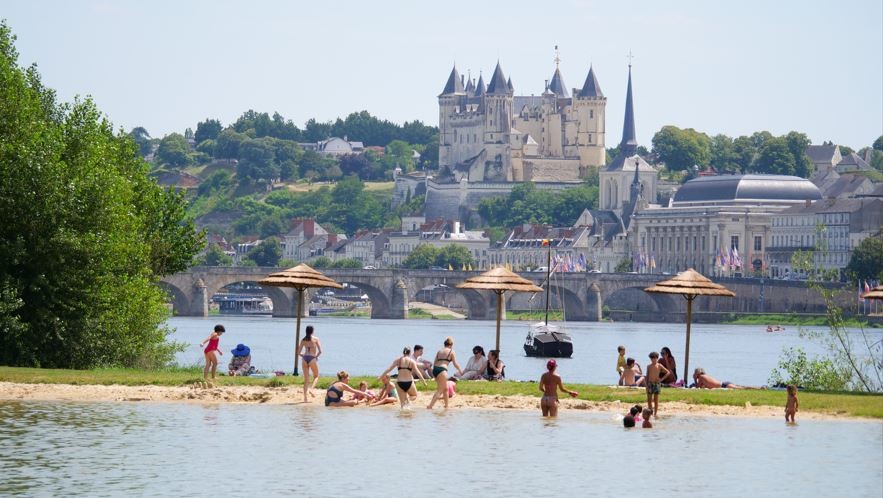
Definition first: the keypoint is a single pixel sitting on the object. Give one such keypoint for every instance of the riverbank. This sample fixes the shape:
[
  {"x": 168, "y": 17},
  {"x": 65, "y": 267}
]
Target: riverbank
[
  {"x": 797, "y": 320},
  {"x": 184, "y": 385}
]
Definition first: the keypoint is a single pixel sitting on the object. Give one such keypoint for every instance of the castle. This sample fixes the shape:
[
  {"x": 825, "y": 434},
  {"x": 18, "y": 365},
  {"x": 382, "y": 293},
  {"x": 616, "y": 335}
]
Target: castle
[{"x": 490, "y": 140}]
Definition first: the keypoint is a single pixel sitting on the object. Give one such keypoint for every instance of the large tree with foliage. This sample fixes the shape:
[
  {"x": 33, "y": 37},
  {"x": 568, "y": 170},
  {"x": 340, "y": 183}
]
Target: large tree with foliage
[
  {"x": 207, "y": 130},
  {"x": 681, "y": 149},
  {"x": 421, "y": 258},
  {"x": 174, "y": 150},
  {"x": 267, "y": 253},
  {"x": 455, "y": 256},
  {"x": 84, "y": 233},
  {"x": 774, "y": 157},
  {"x": 866, "y": 262}
]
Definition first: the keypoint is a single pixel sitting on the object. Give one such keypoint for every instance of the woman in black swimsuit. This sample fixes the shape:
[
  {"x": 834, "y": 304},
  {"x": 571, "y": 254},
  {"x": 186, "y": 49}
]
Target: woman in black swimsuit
[
  {"x": 405, "y": 387},
  {"x": 443, "y": 358},
  {"x": 496, "y": 369},
  {"x": 334, "y": 395}
]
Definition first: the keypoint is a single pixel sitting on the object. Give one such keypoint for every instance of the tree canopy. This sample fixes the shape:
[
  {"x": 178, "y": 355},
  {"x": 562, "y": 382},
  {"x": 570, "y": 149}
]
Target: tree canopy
[
  {"x": 84, "y": 233},
  {"x": 527, "y": 204},
  {"x": 867, "y": 260}
]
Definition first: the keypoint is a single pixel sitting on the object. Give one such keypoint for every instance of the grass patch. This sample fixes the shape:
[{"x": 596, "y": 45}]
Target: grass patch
[
  {"x": 794, "y": 319},
  {"x": 849, "y": 404},
  {"x": 535, "y": 316}
]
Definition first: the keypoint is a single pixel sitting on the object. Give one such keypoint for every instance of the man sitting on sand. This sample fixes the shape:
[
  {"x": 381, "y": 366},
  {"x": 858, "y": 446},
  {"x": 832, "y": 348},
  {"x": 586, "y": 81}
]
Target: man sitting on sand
[
  {"x": 705, "y": 381},
  {"x": 631, "y": 376}
]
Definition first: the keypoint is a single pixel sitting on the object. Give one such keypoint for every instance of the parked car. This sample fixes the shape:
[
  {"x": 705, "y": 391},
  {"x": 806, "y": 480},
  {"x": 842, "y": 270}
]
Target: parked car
[
  {"x": 369, "y": 267},
  {"x": 437, "y": 268}
]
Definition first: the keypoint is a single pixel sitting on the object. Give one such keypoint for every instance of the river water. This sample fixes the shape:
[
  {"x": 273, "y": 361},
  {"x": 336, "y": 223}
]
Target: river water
[
  {"x": 168, "y": 449},
  {"x": 737, "y": 353}
]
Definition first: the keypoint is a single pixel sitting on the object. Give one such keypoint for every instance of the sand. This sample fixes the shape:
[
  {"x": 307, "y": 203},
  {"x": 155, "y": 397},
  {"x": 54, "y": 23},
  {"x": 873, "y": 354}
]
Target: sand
[{"x": 294, "y": 396}]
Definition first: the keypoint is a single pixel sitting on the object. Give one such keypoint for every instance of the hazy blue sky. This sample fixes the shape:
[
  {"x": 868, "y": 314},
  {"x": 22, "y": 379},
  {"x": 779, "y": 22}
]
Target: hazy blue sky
[{"x": 720, "y": 67}]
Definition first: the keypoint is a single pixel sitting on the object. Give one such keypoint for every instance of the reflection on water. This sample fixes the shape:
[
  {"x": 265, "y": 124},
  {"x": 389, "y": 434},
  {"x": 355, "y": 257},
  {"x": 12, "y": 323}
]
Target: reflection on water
[
  {"x": 736, "y": 353},
  {"x": 104, "y": 449}
]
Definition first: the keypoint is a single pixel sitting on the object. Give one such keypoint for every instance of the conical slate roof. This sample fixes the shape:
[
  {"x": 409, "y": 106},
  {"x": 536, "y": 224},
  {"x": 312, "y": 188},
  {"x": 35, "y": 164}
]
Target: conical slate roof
[
  {"x": 454, "y": 84},
  {"x": 557, "y": 85},
  {"x": 498, "y": 85},
  {"x": 690, "y": 283},
  {"x": 509, "y": 84},
  {"x": 499, "y": 280},
  {"x": 591, "y": 88},
  {"x": 470, "y": 87},
  {"x": 480, "y": 88},
  {"x": 299, "y": 277}
]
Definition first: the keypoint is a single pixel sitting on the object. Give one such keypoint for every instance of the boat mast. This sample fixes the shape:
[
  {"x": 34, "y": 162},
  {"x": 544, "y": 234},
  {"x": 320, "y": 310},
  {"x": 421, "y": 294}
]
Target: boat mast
[{"x": 548, "y": 276}]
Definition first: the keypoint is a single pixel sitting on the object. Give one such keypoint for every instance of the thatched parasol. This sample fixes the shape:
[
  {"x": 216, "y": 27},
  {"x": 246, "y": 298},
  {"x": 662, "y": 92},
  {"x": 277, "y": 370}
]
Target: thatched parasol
[
  {"x": 300, "y": 277},
  {"x": 875, "y": 293},
  {"x": 499, "y": 280},
  {"x": 690, "y": 284}
]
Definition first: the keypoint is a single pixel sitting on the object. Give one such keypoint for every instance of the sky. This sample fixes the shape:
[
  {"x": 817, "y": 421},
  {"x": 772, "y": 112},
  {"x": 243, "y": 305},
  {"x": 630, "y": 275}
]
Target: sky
[{"x": 718, "y": 67}]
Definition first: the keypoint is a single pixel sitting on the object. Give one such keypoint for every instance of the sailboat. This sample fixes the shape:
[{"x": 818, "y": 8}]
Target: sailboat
[{"x": 544, "y": 339}]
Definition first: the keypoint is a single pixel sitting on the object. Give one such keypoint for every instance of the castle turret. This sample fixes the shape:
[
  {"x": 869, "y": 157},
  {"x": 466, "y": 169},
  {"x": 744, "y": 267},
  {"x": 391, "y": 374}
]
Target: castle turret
[
  {"x": 591, "y": 107},
  {"x": 448, "y": 106},
  {"x": 480, "y": 89}
]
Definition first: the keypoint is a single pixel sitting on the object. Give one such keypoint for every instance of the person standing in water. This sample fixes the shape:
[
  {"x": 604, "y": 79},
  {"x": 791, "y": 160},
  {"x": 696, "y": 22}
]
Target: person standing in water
[
  {"x": 310, "y": 349},
  {"x": 444, "y": 357},
  {"x": 211, "y": 352},
  {"x": 407, "y": 366},
  {"x": 792, "y": 404},
  {"x": 550, "y": 383}
]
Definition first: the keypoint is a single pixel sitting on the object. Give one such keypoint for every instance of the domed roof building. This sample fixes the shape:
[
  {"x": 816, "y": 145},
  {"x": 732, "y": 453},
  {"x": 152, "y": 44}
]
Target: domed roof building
[
  {"x": 717, "y": 225},
  {"x": 745, "y": 189}
]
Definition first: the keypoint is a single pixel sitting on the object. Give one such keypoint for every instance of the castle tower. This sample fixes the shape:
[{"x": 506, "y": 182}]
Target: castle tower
[
  {"x": 498, "y": 105},
  {"x": 628, "y": 174},
  {"x": 590, "y": 105},
  {"x": 448, "y": 107}
]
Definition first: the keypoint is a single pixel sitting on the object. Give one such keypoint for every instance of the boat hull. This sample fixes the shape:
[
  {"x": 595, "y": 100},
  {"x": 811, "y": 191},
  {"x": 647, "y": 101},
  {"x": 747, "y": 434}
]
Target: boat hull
[{"x": 545, "y": 341}]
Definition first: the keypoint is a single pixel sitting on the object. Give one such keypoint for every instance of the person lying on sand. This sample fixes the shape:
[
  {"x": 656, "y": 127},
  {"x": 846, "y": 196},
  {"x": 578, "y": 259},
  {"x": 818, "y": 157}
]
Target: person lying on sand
[{"x": 705, "y": 381}]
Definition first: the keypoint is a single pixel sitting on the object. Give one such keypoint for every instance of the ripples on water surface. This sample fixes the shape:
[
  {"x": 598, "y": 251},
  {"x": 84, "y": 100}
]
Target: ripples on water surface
[
  {"x": 737, "y": 353},
  {"x": 165, "y": 449}
]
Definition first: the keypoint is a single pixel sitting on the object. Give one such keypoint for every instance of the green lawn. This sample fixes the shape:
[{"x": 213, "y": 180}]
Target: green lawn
[{"x": 850, "y": 404}]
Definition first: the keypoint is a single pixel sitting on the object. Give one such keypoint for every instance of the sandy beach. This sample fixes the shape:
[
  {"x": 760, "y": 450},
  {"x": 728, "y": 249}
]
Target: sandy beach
[{"x": 294, "y": 396}]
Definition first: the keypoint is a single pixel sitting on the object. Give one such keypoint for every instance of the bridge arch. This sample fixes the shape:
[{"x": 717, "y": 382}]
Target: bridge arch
[
  {"x": 634, "y": 299},
  {"x": 282, "y": 304},
  {"x": 476, "y": 303},
  {"x": 380, "y": 302},
  {"x": 178, "y": 298}
]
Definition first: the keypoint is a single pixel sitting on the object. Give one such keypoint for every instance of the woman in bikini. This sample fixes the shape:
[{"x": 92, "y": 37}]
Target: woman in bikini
[
  {"x": 496, "y": 369},
  {"x": 211, "y": 351},
  {"x": 550, "y": 383},
  {"x": 310, "y": 349},
  {"x": 334, "y": 395},
  {"x": 407, "y": 367},
  {"x": 668, "y": 361},
  {"x": 443, "y": 358}
]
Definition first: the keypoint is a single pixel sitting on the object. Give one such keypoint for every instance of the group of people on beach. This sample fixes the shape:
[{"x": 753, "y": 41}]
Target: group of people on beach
[{"x": 411, "y": 366}]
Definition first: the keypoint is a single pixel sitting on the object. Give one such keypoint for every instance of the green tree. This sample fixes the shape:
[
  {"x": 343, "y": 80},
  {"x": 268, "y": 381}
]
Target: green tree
[
  {"x": 866, "y": 262},
  {"x": 681, "y": 149},
  {"x": 257, "y": 160},
  {"x": 724, "y": 156},
  {"x": 744, "y": 152},
  {"x": 142, "y": 138},
  {"x": 422, "y": 257},
  {"x": 215, "y": 256},
  {"x": 878, "y": 144},
  {"x": 625, "y": 265},
  {"x": 174, "y": 150},
  {"x": 347, "y": 263},
  {"x": 774, "y": 157},
  {"x": 207, "y": 130},
  {"x": 797, "y": 144},
  {"x": 454, "y": 255},
  {"x": 267, "y": 253},
  {"x": 227, "y": 144},
  {"x": 79, "y": 223}
]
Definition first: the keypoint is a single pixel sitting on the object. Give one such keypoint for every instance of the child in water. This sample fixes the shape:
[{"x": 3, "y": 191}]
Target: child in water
[
  {"x": 646, "y": 414},
  {"x": 792, "y": 404}
]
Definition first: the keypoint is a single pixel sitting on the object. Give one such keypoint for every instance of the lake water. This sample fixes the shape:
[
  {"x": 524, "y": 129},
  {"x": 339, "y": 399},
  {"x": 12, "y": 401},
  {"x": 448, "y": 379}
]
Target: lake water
[
  {"x": 167, "y": 449},
  {"x": 738, "y": 353}
]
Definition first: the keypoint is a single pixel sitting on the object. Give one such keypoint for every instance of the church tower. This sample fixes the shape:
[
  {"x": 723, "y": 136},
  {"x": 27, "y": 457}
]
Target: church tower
[{"x": 629, "y": 175}]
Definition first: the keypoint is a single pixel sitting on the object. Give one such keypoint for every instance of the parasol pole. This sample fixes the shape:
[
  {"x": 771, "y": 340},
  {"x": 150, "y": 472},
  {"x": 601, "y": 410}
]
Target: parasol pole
[
  {"x": 300, "y": 308},
  {"x": 499, "y": 315},
  {"x": 689, "y": 299}
]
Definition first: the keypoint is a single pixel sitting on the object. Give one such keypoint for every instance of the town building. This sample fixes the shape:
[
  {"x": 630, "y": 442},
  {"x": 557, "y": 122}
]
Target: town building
[
  {"x": 829, "y": 228},
  {"x": 715, "y": 225},
  {"x": 526, "y": 247},
  {"x": 307, "y": 239},
  {"x": 334, "y": 146}
]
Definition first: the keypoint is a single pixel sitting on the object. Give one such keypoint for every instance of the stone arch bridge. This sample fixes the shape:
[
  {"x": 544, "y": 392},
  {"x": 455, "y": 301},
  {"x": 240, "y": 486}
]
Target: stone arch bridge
[{"x": 584, "y": 294}]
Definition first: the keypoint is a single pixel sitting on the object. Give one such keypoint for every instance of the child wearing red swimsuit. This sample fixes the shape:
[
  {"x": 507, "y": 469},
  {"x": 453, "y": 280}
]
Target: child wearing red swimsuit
[{"x": 211, "y": 351}]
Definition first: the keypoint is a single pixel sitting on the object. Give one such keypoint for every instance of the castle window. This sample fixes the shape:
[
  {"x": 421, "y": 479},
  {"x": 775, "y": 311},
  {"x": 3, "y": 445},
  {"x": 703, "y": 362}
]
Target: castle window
[
  {"x": 590, "y": 138},
  {"x": 492, "y": 122},
  {"x": 591, "y": 113},
  {"x": 474, "y": 137}
]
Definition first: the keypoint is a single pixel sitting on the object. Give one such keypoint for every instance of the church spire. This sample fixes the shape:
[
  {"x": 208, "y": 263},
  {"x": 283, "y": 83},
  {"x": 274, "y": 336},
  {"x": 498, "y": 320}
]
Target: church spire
[{"x": 629, "y": 144}]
